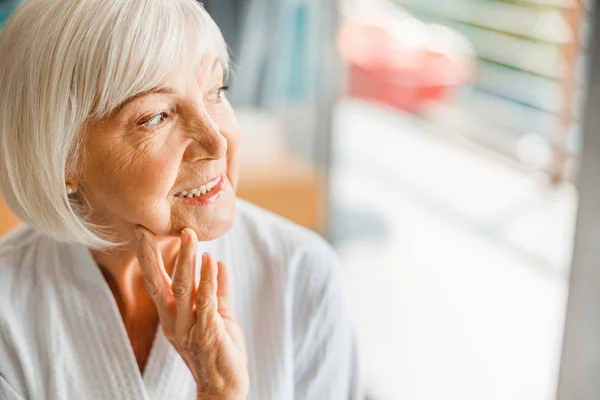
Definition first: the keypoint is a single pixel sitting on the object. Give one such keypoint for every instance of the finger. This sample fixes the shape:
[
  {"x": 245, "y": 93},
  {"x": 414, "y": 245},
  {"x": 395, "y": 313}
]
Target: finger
[
  {"x": 183, "y": 282},
  {"x": 155, "y": 277},
  {"x": 223, "y": 290},
  {"x": 206, "y": 296}
]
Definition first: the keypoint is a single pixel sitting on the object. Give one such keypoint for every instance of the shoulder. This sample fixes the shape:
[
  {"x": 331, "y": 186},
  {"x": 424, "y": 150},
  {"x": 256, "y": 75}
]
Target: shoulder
[
  {"x": 17, "y": 240},
  {"x": 301, "y": 260},
  {"x": 24, "y": 258},
  {"x": 308, "y": 265},
  {"x": 281, "y": 238},
  {"x": 18, "y": 280},
  {"x": 19, "y": 272},
  {"x": 16, "y": 248}
]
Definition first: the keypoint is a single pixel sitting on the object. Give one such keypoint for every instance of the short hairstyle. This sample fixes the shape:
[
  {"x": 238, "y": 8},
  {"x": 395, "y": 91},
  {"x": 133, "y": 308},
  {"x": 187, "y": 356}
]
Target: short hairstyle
[{"x": 65, "y": 62}]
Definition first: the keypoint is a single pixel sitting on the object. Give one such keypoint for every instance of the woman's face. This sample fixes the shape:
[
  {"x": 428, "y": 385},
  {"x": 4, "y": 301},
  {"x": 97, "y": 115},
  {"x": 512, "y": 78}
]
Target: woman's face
[{"x": 141, "y": 160}]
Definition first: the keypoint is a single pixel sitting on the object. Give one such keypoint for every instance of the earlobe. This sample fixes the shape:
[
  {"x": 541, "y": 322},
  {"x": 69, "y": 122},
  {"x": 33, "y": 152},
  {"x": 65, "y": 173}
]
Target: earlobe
[{"x": 71, "y": 188}]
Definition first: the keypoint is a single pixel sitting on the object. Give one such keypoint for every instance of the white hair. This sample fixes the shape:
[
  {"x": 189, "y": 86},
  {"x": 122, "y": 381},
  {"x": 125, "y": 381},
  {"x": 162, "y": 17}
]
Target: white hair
[{"x": 64, "y": 62}]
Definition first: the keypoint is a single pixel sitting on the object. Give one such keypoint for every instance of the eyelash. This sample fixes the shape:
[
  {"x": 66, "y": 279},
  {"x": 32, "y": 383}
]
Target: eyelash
[
  {"x": 164, "y": 115},
  {"x": 221, "y": 91}
]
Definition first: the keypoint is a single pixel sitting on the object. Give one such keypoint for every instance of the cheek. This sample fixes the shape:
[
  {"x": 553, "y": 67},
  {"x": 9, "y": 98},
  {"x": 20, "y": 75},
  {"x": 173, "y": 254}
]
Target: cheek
[
  {"x": 134, "y": 183},
  {"x": 230, "y": 128},
  {"x": 153, "y": 176},
  {"x": 148, "y": 175}
]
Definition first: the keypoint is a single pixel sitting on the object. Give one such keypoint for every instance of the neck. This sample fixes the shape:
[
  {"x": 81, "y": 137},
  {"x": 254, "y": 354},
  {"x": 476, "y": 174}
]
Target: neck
[
  {"x": 120, "y": 266},
  {"x": 123, "y": 275}
]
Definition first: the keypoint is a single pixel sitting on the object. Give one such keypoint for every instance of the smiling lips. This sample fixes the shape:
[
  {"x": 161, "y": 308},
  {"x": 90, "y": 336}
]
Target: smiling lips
[{"x": 200, "y": 191}]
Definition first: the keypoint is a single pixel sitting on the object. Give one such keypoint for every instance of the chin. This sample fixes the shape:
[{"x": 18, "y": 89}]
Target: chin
[
  {"x": 209, "y": 222},
  {"x": 215, "y": 229}
]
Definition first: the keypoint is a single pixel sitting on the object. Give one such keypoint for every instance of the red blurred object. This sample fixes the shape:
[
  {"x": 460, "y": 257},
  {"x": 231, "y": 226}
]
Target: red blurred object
[{"x": 400, "y": 64}]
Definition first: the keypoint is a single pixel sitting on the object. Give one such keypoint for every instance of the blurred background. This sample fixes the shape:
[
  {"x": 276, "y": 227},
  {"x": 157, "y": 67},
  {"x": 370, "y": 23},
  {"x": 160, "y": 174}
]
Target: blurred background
[{"x": 435, "y": 144}]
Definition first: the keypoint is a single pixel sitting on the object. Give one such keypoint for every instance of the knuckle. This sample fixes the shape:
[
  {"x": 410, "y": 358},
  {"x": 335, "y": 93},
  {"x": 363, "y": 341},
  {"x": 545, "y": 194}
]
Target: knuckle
[
  {"x": 203, "y": 304},
  {"x": 179, "y": 290},
  {"x": 206, "y": 279},
  {"x": 212, "y": 319},
  {"x": 151, "y": 286}
]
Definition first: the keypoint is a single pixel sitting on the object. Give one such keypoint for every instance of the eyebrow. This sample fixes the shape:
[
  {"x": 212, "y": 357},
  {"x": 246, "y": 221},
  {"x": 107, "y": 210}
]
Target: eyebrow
[
  {"x": 157, "y": 90},
  {"x": 216, "y": 63}
]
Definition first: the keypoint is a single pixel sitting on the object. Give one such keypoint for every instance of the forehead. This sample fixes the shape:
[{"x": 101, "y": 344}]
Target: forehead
[
  {"x": 209, "y": 70},
  {"x": 182, "y": 81}
]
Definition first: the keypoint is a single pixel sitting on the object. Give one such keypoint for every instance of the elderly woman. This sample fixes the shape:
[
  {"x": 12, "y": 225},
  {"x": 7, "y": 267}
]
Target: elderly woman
[{"x": 138, "y": 275}]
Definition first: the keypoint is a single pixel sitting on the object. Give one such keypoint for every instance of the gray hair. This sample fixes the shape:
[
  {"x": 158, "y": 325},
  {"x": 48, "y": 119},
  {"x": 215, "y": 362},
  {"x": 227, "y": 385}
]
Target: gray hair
[{"x": 65, "y": 62}]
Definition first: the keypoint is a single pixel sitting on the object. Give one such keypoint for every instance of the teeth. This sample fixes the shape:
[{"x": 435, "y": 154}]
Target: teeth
[{"x": 202, "y": 190}]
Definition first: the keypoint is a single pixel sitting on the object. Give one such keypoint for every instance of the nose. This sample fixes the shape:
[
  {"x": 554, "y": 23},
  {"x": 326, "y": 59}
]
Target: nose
[{"x": 207, "y": 141}]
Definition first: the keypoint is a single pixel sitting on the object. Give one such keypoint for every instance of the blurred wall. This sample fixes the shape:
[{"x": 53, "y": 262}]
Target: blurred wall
[{"x": 7, "y": 219}]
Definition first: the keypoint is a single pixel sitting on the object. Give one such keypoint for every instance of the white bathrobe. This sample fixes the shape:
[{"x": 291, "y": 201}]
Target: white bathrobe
[{"x": 62, "y": 336}]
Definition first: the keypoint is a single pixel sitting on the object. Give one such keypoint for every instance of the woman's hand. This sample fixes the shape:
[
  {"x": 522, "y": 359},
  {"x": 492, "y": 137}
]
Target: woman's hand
[{"x": 197, "y": 321}]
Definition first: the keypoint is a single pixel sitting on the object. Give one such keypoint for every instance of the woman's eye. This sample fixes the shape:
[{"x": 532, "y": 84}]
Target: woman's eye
[
  {"x": 217, "y": 94},
  {"x": 155, "y": 120}
]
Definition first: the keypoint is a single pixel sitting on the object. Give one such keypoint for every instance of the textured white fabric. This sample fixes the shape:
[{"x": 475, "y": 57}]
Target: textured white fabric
[{"x": 62, "y": 337}]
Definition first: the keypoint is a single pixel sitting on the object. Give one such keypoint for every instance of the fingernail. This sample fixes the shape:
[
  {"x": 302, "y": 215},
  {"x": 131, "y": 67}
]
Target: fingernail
[{"x": 204, "y": 258}]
